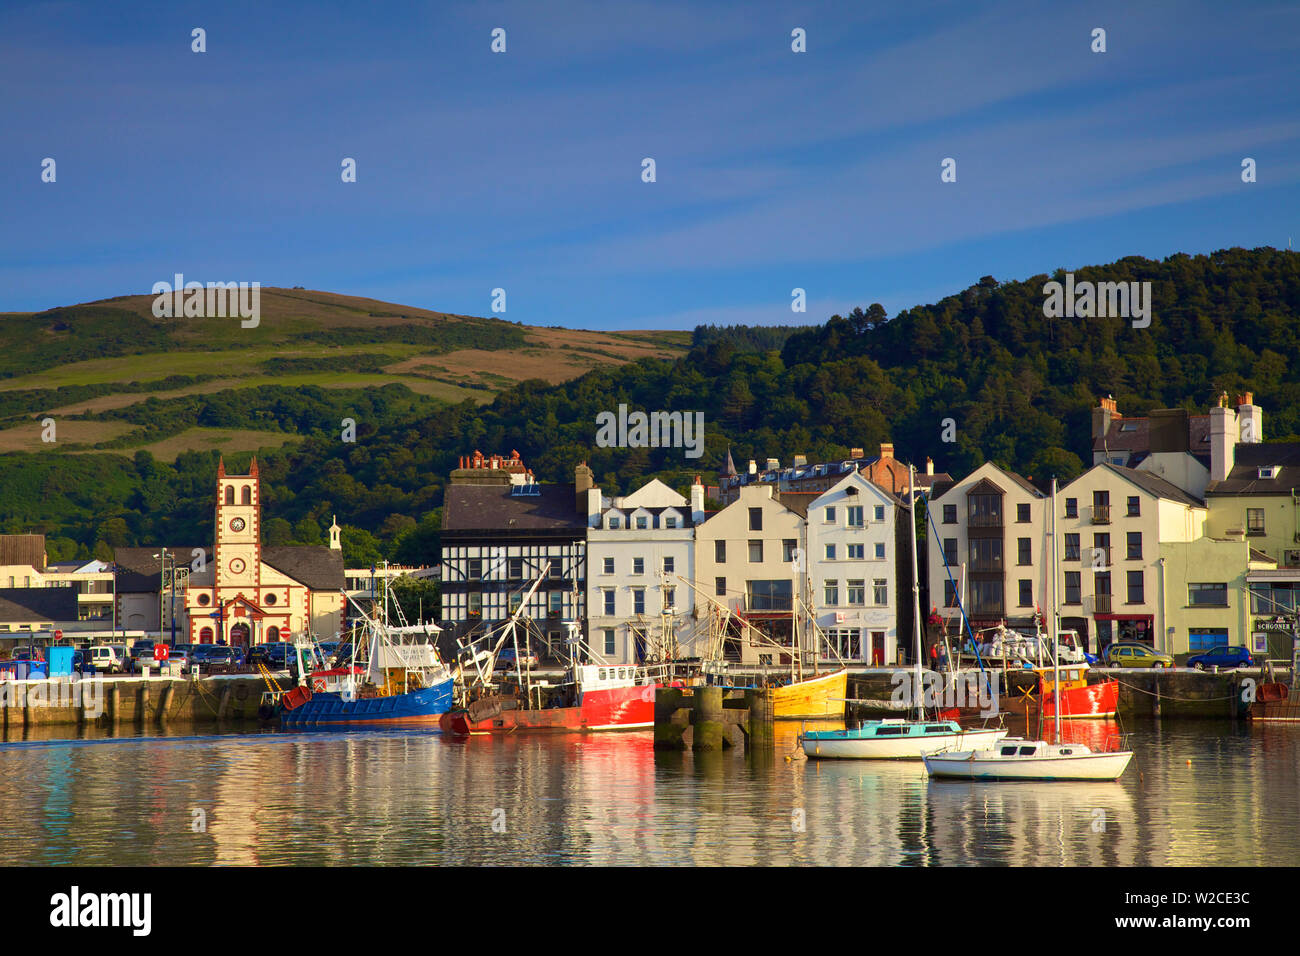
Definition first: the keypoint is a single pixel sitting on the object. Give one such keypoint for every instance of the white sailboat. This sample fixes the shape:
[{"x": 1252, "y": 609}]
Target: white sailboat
[
  {"x": 896, "y": 739},
  {"x": 1016, "y": 759}
]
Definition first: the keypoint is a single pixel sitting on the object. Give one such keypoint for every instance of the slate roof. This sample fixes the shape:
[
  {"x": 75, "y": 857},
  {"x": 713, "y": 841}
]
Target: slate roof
[
  {"x": 1138, "y": 440},
  {"x": 798, "y": 501},
  {"x": 1156, "y": 485},
  {"x": 1244, "y": 478},
  {"x": 318, "y": 567},
  {"x": 139, "y": 572},
  {"x": 38, "y": 604},
  {"x": 493, "y": 508}
]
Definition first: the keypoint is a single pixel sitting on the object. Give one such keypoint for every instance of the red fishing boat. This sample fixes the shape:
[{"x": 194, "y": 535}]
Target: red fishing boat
[
  {"x": 1079, "y": 699},
  {"x": 595, "y": 697}
]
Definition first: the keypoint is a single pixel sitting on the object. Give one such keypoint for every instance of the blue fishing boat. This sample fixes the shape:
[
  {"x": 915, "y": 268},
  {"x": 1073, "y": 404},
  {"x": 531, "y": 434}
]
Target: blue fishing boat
[{"x": 394, "y": 678}]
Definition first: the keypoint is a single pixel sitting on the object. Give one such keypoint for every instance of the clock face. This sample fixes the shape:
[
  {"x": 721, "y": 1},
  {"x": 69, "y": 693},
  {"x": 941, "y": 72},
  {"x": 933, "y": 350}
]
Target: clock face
[
  {"x": 236, "y": 524},
  {"x": 237, "y": 566}
]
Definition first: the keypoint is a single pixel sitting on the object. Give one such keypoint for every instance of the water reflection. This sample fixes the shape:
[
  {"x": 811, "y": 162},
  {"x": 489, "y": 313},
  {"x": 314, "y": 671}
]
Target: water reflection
[{"x": 416, "y": 798}]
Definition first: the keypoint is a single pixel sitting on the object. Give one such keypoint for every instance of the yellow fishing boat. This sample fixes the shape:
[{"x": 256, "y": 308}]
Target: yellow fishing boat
[{"x": 813, "y": 697}]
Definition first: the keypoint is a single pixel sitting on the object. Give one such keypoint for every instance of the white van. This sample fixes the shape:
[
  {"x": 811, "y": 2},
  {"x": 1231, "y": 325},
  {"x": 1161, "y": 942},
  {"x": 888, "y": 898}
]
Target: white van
[{"x": 109, "y": 658}]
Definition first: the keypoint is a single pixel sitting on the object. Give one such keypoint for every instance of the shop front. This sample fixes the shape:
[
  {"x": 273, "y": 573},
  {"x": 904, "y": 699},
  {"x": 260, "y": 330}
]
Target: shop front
[{"x": 1112, "y": 628}]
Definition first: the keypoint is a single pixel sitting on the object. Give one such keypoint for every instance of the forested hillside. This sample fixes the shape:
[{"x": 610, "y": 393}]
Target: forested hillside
[{"x": 1017, "y": 386}]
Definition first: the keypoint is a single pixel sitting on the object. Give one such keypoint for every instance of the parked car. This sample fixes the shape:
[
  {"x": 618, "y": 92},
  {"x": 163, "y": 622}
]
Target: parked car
[
  {"x": 142, "y": 648},
  {"x": 218, "y": 658},
  {"x": 1221, "y": 657},
  {"x": 109, "y": 658},
  {"x": 178, "y": 659},
  {"x": 276, "y": 656},
  {"x": 506, "y": 659},
  {"x": 81, "y": 663},
  {"x": 1133, "y": 654}
]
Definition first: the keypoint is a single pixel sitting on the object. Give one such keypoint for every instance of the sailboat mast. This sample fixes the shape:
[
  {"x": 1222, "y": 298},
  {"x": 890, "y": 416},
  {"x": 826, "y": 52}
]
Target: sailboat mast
[
  {"x": 1055, "y": 624},
  {"x": 916, "y": 587}
]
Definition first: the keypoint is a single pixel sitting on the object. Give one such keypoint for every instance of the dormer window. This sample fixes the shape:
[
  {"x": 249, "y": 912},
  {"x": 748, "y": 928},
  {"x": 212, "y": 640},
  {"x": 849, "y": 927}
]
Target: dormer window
[
  {"x": 613, "y": 522},
  {"x": 1268, "y": 471}
]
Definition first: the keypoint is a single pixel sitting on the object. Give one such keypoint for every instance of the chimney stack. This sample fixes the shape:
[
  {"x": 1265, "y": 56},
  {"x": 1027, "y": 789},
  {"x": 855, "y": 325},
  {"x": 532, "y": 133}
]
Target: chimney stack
[
  {"x": 1102, "y": 416},
  {"x": 800, "y": 461},
  {"x": 1223, "y": 437},
  {"x": 584, "y": 479},
  {"x": 753, "y": 467},
  {"x": 773, "y": 464},
  {"x": 886, "y": 451},
  {"x": 856, "y": 453},
  {"x": 929, "y": 465},
  {"x": 1250, "y": 420},
  {"x": 697, "y": 502}
]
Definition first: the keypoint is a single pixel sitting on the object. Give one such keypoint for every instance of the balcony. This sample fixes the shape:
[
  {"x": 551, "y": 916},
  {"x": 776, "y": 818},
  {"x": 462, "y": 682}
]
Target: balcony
[
  {"x": 1102, "y": 602},
  {"x": 991, "y": 565},
  {"x": 1101, "y": 514},
  {"x": 984, "y": 519}
]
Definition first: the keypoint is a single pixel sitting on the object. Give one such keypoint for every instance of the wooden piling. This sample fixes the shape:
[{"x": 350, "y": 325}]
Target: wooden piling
[
  {"x": 165, "y": 702},
  {"x": 115, "y": 703},
  {"x": 143, "y": 706},
  {"x": 762, "y": 727}
]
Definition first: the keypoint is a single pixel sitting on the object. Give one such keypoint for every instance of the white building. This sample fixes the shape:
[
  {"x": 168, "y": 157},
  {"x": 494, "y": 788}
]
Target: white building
[
  {"x": 852, "y": 560},
  {"x": 641, "y": 554}
]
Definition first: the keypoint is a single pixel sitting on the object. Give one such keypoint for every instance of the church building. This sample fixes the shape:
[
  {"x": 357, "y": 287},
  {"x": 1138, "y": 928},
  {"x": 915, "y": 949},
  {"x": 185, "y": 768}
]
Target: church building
[{"x": 252, "y": 594}]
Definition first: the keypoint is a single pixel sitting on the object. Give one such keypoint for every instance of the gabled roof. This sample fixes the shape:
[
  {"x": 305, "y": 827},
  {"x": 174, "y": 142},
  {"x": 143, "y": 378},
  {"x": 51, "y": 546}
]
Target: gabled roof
[
  {"x": 139, "y": 572},
  {"x": 1249, "y": 458},
  {"x": 318, "y": 567},
  {"x": 798, "y": 501},
  {"x": 1152, "y": 483},
  {"x": 493, "y": 508}
]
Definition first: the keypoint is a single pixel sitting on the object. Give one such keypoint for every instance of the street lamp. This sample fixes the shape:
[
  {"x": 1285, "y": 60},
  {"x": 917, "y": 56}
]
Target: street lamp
[{"x": 162, "y": 584}]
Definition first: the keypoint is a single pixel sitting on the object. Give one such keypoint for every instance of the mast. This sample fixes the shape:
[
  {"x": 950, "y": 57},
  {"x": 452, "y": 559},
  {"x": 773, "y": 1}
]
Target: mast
[
  {"x": 1055, "y": 624},
  {"x": 916, "y": 587}
]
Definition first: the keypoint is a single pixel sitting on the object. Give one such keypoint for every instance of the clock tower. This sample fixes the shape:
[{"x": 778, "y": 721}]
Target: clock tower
[{"x": 237, "y": 542}]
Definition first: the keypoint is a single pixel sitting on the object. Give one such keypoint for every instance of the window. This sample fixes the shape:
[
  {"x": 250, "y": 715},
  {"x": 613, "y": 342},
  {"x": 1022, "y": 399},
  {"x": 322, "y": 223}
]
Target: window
[
  {"x": 788, "y": 547},
  {"x": 880, "y": 550},
  {"x": 475, "y": 603},
  {"x": 950, "y": 552},
  {"x": 1101, "y": 550},
  {"x": 949, "y": 594},
  {"x": 986, "y": 597},
  {"x": 1134, "y": 506},
  {"x": 949, "y": 514},
  {"x": 555, "y": 602},
  {"x": 1073, "y": 587},
  {"x": 857, "y": 591},
  {"x": 986, "y": 554},
  {"x": 1026, "y": 592},
  {"x": 1022, "y": 514},
  {"x": 638, "y": 600},
  {"x": 856, "y": 552},
  {"x": 230, "y": 494},
  {"x": 756, "y": 552},
  {"x": 830, "y": 515},
  {"x": 1136, "y": 591},
  {"x": 985, "y": 511},
  {"x": 880, "y": 592},
  {"x": 609, "y": 601},
  {"x": 670, "y": 565},
  {"x": 475, "y": 569},
  {"x": 880, "y": 512},
  {"x": 638, "y": 565},
  {"x": 516, "y": 569},
  {"x": 830, "y": 552},
  {"x": 1071, "y": 547},
  {"x": 1206, "y": 638},
  {"x": 556, "y": 569},
  {"x": 641, "y": 522},
  {"x": 720, "y": 552},
  {"x": 1254, "y": 521},
  {"x": 1207, "y": 595},
  {"x": 610, "y": 648},
  {"x": 755, "y": 519},
  {"x": 670, "y": 597},
  {"x": 1023, "y": 551},
  {"x": 607, "y": 566},
  {"x": 1134, "y": 546},
  {"x": 670, "y": 521},
  {"x": 770, "y": 595},
  {"x": 516, "y": 599},
  {"x": 845, "y": 643},
  {"x": 854, "y": 513},
  {"x": 1072, "y": 507},
  {"x": 832, "y": 593}
]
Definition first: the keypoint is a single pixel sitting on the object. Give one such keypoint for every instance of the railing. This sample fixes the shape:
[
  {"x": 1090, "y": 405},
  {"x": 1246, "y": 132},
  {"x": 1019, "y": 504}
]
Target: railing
[
  {"x": 1102, "y": 602},
  {"x": 984, "y": 520},
  {"x": 986, "y": 564},
  {"x": 1101, "y": 514}
]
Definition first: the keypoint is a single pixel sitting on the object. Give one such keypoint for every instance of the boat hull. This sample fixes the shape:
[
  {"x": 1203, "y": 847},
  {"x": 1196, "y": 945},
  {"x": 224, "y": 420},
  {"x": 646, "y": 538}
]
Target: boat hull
[
  {"x": 816, "y": 697},
  {"x": 1078, "y": 703},
  {"x": 420, "y": 708},
  {"x": 616, "y": 708},
  {"x": 1275, "y": 702},
  {"x": 966, "y": 766},
  {"x": 841, "y": 745}
]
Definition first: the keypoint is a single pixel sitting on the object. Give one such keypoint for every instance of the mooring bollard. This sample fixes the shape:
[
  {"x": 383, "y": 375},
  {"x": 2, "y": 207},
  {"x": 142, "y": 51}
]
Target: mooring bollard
[
  {"x": 708, "y": 719},
  {"x": 762, "y": 729},
  {"x": 115, "y": 703},
  {"x": 165, "y": 702}
]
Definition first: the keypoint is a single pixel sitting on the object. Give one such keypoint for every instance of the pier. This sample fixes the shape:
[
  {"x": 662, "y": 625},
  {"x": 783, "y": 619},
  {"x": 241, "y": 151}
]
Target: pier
[
  {"x": 711, "y": 718},
  {"x": 139, "y": 701}
]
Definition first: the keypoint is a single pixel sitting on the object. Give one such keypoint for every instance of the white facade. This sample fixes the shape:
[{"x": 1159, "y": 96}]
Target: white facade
[
  {"x": 641, "y": 556},
  {"x": 852, "y": 559}
]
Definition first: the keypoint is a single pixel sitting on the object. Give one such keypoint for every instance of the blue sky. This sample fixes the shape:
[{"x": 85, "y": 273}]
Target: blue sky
[{"x": 522, "y": 170}]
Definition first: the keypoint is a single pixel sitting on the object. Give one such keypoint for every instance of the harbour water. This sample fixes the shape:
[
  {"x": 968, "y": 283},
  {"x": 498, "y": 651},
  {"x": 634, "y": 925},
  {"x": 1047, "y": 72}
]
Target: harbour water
[{"x": 1199, "y": 793}]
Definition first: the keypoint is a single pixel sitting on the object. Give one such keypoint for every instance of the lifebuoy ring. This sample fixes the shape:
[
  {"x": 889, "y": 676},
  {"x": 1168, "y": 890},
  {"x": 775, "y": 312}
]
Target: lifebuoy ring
[{"x": 318, "y": 684}]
